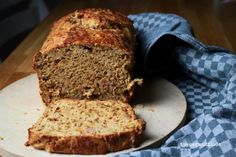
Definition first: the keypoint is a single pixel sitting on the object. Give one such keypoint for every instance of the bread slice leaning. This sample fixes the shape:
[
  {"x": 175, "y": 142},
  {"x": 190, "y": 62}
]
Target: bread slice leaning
[{"x": 86, "y": 127}]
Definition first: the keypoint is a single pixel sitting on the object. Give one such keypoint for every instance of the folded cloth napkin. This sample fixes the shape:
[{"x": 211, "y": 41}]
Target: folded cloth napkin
[{"x": 208, "y": 83}]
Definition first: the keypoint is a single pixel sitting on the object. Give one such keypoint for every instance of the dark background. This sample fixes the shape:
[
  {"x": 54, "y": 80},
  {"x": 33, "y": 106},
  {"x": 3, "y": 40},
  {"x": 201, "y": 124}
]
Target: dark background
[{"x": 17, "y": 20}]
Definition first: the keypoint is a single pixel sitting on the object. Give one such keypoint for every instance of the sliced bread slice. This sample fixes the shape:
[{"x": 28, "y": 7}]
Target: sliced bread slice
[{"x": 86, "y": 127}]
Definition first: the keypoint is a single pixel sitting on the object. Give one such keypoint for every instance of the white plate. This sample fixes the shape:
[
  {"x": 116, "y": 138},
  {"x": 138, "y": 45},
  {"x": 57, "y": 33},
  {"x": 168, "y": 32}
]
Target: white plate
[{"x": 160, "y": 104}]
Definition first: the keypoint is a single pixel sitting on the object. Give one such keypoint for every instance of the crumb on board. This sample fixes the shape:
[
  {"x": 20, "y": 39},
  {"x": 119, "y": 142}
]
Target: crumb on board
[
  {"x": 139, "y": 106},
  {"x": 1, "y": 138},
  {"x": 37, "y": 109},
  {"x": 151, "y": 109},
  {"x": 25, "y": 113}
]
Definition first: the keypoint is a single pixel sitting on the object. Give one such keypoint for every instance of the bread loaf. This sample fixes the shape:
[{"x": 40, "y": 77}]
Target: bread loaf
[
  {"x": 86, "y": 127},
  {"x": 88, "y": 54}
]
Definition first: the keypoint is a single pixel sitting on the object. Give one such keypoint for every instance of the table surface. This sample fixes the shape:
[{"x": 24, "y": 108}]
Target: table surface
[{"x": 213, "y": 22}]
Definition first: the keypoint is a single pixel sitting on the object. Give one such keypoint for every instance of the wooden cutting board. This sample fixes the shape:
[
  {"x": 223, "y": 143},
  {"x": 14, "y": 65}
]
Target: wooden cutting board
[{"x": 158, "y": 102}]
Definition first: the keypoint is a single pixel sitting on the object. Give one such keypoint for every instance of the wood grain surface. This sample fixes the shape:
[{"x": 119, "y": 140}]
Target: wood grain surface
[{"x": 213, "y": 22}]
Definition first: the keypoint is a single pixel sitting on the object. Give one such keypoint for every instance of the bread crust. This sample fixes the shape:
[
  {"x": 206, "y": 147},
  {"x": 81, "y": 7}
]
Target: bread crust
[
  {"x": 91, "y": 27},
  {"x": 87, "y": 144}
]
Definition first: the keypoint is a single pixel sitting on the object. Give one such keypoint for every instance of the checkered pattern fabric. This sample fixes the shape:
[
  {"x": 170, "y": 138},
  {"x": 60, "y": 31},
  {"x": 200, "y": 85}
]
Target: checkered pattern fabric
[{"x": 208, "y": 83}]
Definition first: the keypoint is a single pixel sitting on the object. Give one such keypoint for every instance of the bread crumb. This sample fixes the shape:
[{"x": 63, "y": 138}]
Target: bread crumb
[
  {"x": 139, "y": 106},
  {"x": 1, "y": 138},
  {"x": 25, "y": 113},
  {"x": 89, "y": 93},
  {"x": 37, "y": 109},
  {"x": 90, "y": 130},
  {"x": 151, "y": 109}
]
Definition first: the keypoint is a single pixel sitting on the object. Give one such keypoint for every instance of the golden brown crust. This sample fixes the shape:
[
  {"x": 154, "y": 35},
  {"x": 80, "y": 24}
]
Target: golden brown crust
[
  {"x": 87, "y": 144},
  {"x": 91, "y": 27},
  {"x": 102, "y": 18}
]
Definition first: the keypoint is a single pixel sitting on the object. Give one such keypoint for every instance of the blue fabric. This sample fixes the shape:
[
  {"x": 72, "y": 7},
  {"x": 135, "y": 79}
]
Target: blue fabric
[{"x": 209, "y": 85}]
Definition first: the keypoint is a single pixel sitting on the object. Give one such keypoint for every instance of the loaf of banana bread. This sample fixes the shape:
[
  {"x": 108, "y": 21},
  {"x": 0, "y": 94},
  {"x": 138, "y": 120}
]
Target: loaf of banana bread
[
  {"x": 89, "y": 54},
  {"x": 86, "y": 127}
]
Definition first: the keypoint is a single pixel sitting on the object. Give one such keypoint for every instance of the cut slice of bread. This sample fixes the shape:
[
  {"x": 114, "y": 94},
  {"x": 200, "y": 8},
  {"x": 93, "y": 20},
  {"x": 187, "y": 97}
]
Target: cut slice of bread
[{"x": 86, "y": 127}]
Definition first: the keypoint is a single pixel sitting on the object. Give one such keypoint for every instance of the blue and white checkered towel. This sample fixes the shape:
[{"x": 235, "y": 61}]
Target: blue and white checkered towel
[{"x": 208, "y": 83}]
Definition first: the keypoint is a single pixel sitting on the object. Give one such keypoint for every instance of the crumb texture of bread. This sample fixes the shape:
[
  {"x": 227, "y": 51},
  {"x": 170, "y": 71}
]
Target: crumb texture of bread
[
  {"x": 89, "y": 54},
  {"x": 86, "y": 127}
]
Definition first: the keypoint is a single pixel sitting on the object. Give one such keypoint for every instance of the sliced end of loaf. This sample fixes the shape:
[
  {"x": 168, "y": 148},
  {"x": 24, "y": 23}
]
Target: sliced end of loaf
[
  {"x": 86, "y": 127},
  {"x": 85, "y": 73}
]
